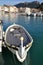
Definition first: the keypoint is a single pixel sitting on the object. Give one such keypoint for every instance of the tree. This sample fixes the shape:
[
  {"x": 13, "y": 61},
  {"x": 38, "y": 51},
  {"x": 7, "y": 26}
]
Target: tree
[{"x": 41, "y": 6}]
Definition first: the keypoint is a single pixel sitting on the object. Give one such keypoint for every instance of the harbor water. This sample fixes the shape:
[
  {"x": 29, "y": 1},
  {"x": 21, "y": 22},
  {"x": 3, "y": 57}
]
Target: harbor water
[{"x": 34, "y": 25}]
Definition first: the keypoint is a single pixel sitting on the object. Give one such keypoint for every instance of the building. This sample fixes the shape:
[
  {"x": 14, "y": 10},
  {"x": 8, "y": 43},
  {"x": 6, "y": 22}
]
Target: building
[
  {"x": 0, "y": 8},
  {"x": 21, "y": 9},
  {"x": 34, "y": 10},
  {"x": 6, "y": 8},
  {"x": 28, "y": 11},
  {"x": 13, "y": 9}
]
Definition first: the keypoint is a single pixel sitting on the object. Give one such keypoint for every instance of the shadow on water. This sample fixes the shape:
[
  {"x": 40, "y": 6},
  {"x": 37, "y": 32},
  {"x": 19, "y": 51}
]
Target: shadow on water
[
  {"x": 7, "y": 57},
  {"x": 10, "y": 59},
  {"x": 26, "y": 62},
  {"x": 1, "y": 59}
]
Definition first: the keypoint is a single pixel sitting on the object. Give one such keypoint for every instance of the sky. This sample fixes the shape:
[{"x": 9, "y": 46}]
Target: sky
[{"x": 13, "y": 2}]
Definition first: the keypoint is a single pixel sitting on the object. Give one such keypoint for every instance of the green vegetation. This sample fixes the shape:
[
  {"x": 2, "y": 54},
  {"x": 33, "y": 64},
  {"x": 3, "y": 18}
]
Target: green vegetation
[{"x": 41, "y": 6}]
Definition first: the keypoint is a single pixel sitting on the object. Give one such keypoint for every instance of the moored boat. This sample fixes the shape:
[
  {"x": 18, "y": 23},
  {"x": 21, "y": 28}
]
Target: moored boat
[{"x": 18, "y": 41}]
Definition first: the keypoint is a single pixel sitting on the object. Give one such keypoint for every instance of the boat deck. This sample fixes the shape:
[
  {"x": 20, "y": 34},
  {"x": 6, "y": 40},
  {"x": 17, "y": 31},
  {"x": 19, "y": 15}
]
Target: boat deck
[{"x": 14, "y": 34}]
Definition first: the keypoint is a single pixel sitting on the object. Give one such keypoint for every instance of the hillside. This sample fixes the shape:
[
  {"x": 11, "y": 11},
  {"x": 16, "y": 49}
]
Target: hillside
[
  {"x": 41, "y": 6},
  {"x": 33, "y": 4}
]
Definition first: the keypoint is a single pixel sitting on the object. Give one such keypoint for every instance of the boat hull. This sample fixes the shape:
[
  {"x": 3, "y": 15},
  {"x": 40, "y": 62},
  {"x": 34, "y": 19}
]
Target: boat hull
[{"x": 17, "y": 55}]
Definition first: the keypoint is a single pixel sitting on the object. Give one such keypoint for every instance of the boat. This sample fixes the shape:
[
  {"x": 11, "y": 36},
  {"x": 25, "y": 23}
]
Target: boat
[
  {"x": 40, "y": 14},
  {"x": 33, "y": 14},
  {"x": 18, "y": 41}
]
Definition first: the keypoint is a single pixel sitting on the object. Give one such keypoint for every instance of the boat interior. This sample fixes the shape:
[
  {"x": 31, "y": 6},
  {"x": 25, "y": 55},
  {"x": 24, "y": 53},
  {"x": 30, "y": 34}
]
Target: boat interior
[{"x": 14, "y": 34}]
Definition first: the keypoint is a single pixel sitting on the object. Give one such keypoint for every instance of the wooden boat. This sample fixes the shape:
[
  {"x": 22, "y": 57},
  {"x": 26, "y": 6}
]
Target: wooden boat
[{"x": 18, "y": 41}]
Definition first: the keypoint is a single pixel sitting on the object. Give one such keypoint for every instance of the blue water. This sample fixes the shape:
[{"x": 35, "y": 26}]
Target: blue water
[{"x": 34, "y": 25}]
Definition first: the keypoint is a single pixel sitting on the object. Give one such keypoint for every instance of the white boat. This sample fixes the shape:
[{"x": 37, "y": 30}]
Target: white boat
[
  {"x": 39, "y": 14},
  {"x": 18, "y": 41},
  {"x": 33, "y": 14}
]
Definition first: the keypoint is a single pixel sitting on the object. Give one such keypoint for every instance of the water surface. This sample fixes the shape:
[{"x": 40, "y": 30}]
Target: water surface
[{"x": 34, "y": 25}]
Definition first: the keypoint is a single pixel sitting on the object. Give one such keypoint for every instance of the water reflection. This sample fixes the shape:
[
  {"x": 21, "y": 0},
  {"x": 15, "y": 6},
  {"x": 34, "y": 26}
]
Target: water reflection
[
  {"x": 28, "y": 18},
  {"x": 34, "y": 25},
  {"x": 8, "y": 16},
  {"x": 7, "y": 57},
  {"x": 26, "y": 62},
  {"x": 12, "y": 16},
  {"x": 11, "y": 59},
  {"x": 1, "y": 15},
  {"x": 8, "y": 19},
  {"x": 1, "y": 59}
]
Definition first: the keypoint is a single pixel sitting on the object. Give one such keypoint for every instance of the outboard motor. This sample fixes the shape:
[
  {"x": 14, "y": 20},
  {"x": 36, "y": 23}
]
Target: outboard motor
[
  {"x": 21, "y": 53},
  {"x": 21, "y": 49}
]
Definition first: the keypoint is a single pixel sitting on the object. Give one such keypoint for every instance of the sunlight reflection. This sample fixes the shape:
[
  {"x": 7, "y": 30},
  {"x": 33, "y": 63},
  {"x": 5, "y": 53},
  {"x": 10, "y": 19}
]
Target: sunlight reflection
[
  {"x": 1, "y": 59},
  {"x": 29, "y": 18},
  {"x": 12, "y": 16}
]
